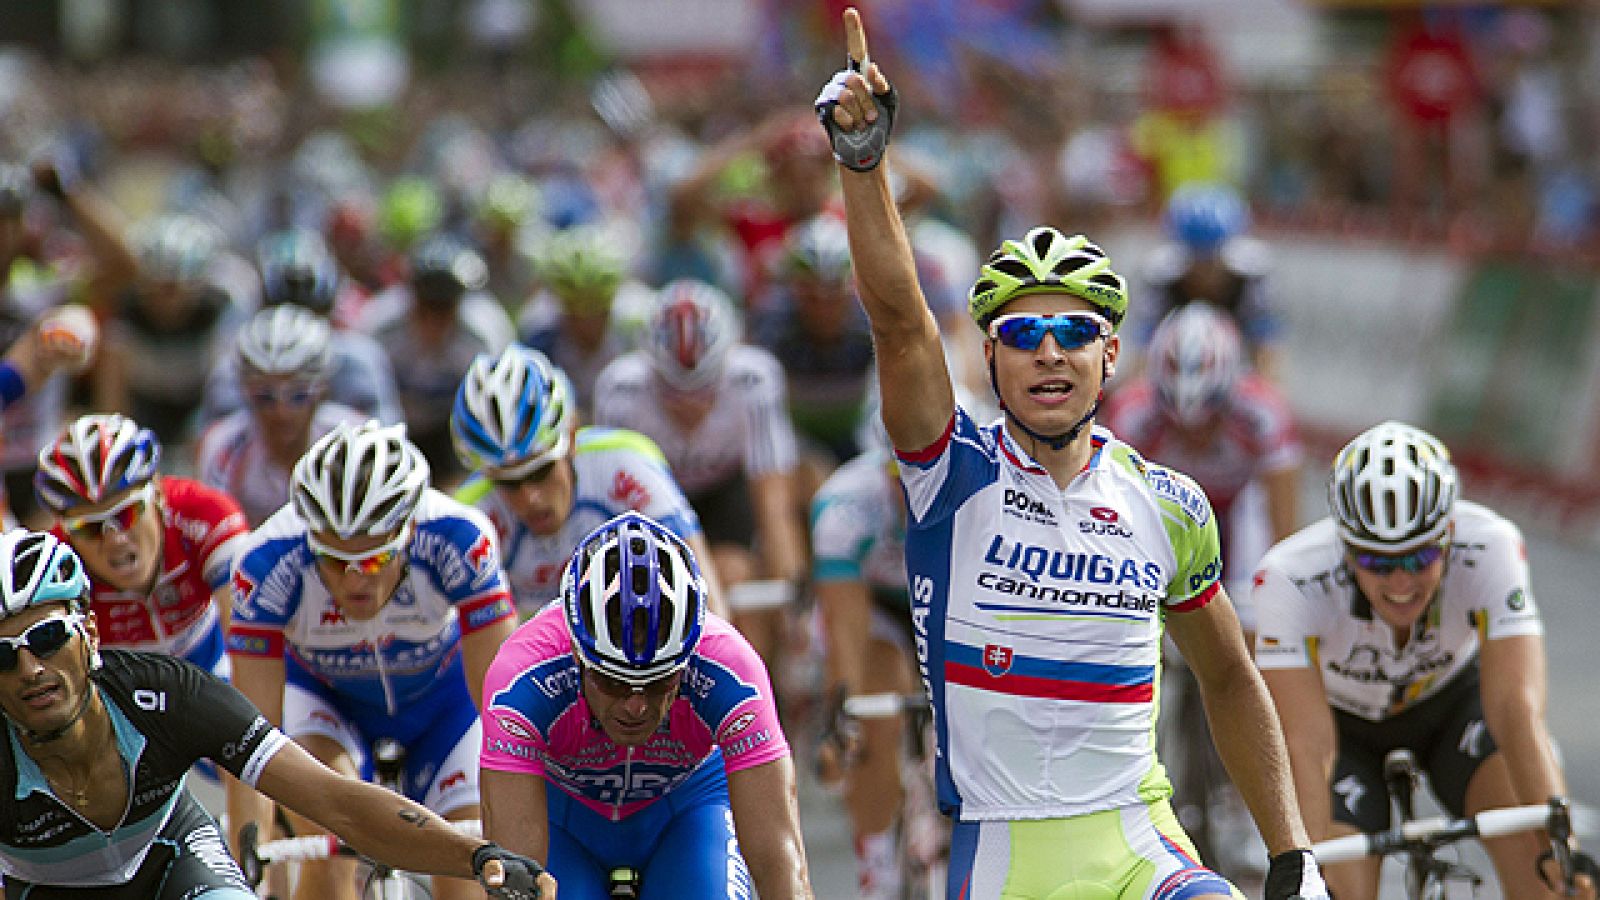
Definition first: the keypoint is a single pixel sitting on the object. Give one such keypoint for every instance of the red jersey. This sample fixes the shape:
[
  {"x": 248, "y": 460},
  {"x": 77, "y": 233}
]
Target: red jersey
[{"x": 203, "y": 529}]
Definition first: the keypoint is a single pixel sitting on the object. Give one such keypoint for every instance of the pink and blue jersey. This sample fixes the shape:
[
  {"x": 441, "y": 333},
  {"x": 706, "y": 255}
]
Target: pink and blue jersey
[{"x": 537, "y": 722}]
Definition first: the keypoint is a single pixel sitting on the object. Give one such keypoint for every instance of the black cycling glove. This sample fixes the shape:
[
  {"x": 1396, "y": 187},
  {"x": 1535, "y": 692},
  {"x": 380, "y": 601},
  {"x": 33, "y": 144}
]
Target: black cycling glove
[
  {"x": 522, "y": 873},
  {"x": 862, "y": 149},
  {"x": 1293, "y": 875}
]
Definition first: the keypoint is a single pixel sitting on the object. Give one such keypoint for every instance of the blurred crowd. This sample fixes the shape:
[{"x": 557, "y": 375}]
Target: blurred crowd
[{"x": 499, "y": 201}]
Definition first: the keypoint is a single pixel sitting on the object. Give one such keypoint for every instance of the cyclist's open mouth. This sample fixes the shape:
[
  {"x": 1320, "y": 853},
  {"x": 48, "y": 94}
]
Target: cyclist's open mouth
[
  {"x": 1051, "y": 392},
  {"x": 123, "y": 563},
  {"x": 1400, "y": 599}
]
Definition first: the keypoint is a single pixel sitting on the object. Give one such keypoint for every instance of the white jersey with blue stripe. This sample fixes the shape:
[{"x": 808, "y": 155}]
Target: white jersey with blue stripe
[
  {"x": 614, "y": 470},
  {"x": 453, "y": 585},
  {"x": 1038, "y": 613},
  {"x": 857, "y": 527}
]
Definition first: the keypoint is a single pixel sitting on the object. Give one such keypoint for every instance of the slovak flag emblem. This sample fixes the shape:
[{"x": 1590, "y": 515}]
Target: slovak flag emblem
[
  {"x": 1103, "y": 513},
  {"x": 996, "y": 659}
]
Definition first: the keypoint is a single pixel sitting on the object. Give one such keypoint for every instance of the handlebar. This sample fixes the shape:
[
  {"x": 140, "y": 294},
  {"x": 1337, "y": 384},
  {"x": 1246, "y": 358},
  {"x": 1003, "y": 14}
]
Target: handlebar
[
  {"x": 254, "y": 858},
  {"x": 1432, "y": 832},
  {"x": 882, "y": 706}
]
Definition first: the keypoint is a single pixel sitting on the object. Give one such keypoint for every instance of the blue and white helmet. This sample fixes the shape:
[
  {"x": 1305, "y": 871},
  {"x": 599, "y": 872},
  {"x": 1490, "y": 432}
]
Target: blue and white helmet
[
  {"x": 513, "y": 413},
  {"x": 37, "y": 568},
  {"x": 634, "y": 600}
]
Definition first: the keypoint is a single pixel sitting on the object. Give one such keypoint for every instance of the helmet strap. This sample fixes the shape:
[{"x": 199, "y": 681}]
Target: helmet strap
[{"x": 1058, "y": 441}]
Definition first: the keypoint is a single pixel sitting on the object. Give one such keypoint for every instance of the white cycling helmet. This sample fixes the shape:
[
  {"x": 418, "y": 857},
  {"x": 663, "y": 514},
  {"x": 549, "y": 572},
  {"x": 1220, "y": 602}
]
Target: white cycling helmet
[
  {"x": 692, "y": 329},
  {"x": 513, "y": 413},
  {"x": 1196, "y": 357},
  {"x": 364, "y": 480},
  {"x": 634, "y": 600},
  {"x": 1392, "y": 489},
  {"x": 37, "y": 568},
  {"x": 286, "y": 340}
]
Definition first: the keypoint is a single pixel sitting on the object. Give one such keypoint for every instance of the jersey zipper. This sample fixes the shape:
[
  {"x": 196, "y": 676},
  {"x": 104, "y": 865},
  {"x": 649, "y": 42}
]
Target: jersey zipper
[
  {"x": 383, "y": 674},
  {"x": 622, "y": 793}
]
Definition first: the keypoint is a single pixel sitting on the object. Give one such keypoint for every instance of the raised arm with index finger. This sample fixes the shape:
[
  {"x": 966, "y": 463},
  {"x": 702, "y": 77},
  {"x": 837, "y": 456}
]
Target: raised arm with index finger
[{"x": 917, "y": 398}]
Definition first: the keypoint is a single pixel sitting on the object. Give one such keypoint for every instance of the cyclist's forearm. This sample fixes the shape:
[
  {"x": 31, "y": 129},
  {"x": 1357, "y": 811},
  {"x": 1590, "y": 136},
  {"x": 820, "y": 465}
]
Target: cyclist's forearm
[
  {"x": 1250, "y": 741},
  {"x": 1514, "y": 696},
  {"x": 766, "y": 820},
  {"x": 880, "y": 251},
  {"x": 396, "y": 831}
]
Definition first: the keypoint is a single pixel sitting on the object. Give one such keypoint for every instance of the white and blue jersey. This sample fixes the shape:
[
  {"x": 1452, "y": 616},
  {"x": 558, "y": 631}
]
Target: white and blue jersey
[
  {"x": 614, "y": 471},
  {"x": 453, "y": 585},
  {"x": 1038, "y": 613}
]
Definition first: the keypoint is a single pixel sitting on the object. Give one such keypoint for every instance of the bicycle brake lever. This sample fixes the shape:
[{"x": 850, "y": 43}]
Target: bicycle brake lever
[
  {"x": 1559, "y": 829},
  {"x": 249, "y": 861}
]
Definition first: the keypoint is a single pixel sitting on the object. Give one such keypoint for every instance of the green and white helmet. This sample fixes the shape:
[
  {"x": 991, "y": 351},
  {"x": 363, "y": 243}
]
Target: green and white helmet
[{"x": 1047, "y": 260}]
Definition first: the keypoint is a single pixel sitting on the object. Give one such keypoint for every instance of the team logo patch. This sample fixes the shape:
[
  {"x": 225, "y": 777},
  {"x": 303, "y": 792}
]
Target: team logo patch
[
  {"x": 514, "y": 728},
  {"x": 1103, "y": 513},
  {"x": 455, "y": 778},
  {"x": 243, "y": 586},
  {"x": 481, "y": 556},
  {"x": 1182, "y": 492},
  {"x": 629, "y": 491},
  {"x": 996, "y": 659},
  {"x": 1517, "y": 601},
  {"x": 740, "y": 723}
]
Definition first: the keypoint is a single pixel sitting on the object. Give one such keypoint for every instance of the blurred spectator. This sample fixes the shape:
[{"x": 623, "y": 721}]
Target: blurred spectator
[
  {"x": 1184, "y": 135},
  {"x": 32, "y": 283},
  {"x": 1437, "y": 98}
]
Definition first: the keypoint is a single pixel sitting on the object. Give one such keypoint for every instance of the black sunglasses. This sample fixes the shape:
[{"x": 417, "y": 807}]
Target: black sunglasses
[{"x": 43, "y": 639}]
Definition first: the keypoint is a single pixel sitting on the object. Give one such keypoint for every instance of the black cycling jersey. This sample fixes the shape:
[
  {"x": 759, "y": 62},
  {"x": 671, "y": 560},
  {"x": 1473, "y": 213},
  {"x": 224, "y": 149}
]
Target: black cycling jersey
[
  {"x": 1445, "y": 732},
  {"x": 166, "y": 714}
]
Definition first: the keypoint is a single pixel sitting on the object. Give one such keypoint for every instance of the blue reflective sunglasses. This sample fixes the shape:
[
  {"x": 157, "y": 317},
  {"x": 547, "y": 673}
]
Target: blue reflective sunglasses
[
  {"x": 1415, "y": 561},
  {"x": 1026, "y": 331},
  {"x": 43, "y": 639}
]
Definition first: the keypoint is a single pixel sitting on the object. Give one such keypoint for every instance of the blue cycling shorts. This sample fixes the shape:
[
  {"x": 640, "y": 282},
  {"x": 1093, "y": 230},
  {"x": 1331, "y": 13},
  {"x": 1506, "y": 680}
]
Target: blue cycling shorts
[{"x": 683, "y": 845}]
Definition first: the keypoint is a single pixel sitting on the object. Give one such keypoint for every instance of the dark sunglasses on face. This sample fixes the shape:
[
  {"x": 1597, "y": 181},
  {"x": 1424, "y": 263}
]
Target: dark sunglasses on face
[
  {"x": 1415, "y": 561},
  {"x": 1026, "y": 331},
  {"x": 121, "y": 517},
  {"x": 43, "y": 639},
  {"x": 293, "y": 395},
  {"x": 617, "y": 689}
]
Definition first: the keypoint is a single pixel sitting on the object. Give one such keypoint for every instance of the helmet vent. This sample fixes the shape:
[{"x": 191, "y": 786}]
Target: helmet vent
[
  {"x": 1042, "y": 239},
  {"x": 1107, "y": 279},
  {"x": 1013, "y": 267}
]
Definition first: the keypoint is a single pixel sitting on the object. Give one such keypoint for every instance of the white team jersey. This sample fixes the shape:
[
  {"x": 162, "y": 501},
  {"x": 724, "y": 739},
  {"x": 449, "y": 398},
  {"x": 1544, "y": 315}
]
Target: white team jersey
[
  {"x": 232, "y": 459},
  {"x": 615, "y": 470},
  {"x": 1310, "y": 612},
  {"x": 858, "y": 527},
  {"x": 747, "y": 429},
  {"x": 1038, "y": 613},
  {"x": 453, "y": 586}
]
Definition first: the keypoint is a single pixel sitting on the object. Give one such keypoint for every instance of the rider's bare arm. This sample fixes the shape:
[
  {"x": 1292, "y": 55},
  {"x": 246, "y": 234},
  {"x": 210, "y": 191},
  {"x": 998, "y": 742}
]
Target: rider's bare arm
[
  {"x": 1302, "y": 706},
  {"x": 917, "y": 397},
  {"x": 1514, "y": 690},
  {"x": 782, "y": 544},
  {"x": 1243, "y": 724},
  {"x": 515, "y": 812},
  {"x": 766, "y": 818},
  {"x": 477, "y": 652}
]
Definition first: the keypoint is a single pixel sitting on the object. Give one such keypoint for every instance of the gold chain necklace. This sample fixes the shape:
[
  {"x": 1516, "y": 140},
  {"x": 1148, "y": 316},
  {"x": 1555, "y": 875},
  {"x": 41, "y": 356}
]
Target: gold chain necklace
[{"x": 80, "y": 796}]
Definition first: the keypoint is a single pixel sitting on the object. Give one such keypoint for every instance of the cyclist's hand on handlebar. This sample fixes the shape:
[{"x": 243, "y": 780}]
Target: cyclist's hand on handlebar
[
  {"x": 1293, "y": 875},
  {"x": 511, "y": 876},
  {"x": 857, "y": 106},
  {"x": 1580, "y": 882}
]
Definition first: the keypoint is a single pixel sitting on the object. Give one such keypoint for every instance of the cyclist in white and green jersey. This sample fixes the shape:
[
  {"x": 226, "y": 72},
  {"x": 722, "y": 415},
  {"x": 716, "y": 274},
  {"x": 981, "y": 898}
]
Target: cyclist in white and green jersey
[
  {"x": 545, "y": 483},
  {"x": 1045, "y": 557}
]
